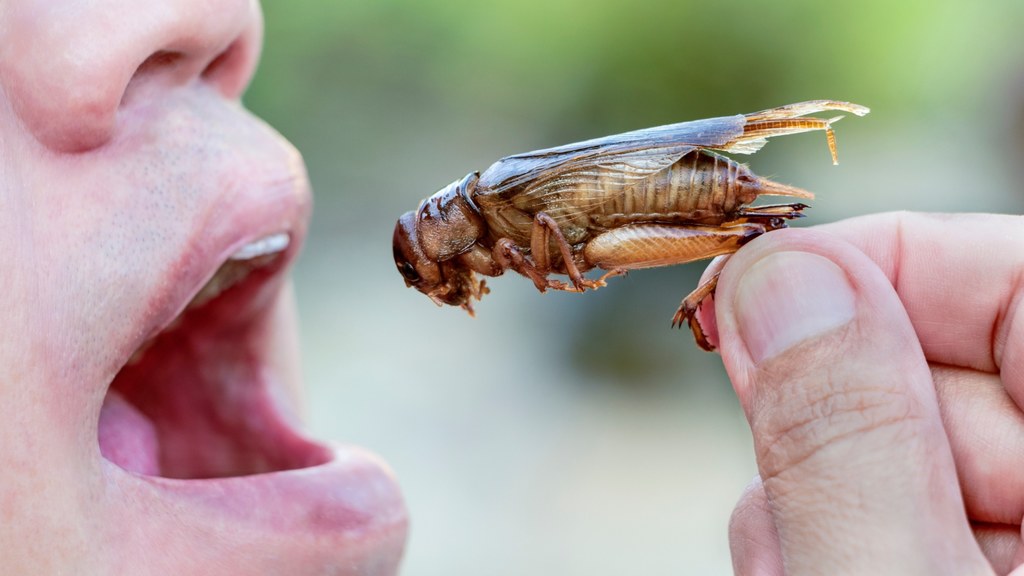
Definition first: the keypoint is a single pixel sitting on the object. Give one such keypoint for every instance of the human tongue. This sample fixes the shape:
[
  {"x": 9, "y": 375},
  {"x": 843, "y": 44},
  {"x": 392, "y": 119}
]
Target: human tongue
[{"x": 127, "y": 437}]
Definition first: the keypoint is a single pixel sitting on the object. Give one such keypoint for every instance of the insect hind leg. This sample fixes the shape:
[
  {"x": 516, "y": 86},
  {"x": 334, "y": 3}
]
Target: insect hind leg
[
  {"x": 687, "y": 311},
  {"x": 791, "y": 119},
  {"x": 771, "y": 216},
  {"x": 763, "y": 129}
]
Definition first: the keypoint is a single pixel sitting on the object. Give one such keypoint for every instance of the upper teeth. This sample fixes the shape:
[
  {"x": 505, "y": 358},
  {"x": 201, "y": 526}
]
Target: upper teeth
[
  {"x": 266, "y": 245},
  {"x": 250, "y": 257}
]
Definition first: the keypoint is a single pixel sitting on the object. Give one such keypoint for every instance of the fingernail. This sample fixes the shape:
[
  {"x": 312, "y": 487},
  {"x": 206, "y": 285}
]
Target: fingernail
[{"x": 788, "y": 297}]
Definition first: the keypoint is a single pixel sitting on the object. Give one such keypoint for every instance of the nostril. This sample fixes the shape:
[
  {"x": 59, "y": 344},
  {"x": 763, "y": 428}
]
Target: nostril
[
  {"x": 159, "y": 59},
  {"x": 221, "y": 67},
  {"x": 220, "y": 63},
  {"x": 231, "y": 70},
  {"x": 156, "y": 65}
]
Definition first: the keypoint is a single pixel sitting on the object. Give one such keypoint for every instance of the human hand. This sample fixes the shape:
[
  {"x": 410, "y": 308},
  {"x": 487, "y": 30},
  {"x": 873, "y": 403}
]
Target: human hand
[{"x": 884, "y": 389}]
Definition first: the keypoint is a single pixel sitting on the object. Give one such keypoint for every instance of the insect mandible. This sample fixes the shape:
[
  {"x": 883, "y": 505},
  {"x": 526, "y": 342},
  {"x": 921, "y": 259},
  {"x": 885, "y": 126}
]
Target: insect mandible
[{"x": 647, "y": 198}]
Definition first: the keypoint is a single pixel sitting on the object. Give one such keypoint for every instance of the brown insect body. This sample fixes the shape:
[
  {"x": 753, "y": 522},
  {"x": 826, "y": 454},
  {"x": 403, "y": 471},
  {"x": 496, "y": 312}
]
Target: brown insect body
[{"x": 652, "y": 197}]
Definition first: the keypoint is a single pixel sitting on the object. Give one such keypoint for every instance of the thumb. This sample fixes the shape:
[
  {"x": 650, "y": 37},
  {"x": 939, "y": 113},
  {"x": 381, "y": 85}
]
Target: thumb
[{"x": 848, "y": 438}]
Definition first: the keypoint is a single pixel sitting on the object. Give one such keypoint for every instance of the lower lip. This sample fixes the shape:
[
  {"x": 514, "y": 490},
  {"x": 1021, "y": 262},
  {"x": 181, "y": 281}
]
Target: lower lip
[
  {"x": 326, "y": 506},
  {"x": 351, "y": 495},
  {"x": 343, "y": 517}
]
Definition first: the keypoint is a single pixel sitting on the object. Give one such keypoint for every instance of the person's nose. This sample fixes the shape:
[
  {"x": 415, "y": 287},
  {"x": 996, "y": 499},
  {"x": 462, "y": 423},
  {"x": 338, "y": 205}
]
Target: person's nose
[{"x": 70, "y": 68}]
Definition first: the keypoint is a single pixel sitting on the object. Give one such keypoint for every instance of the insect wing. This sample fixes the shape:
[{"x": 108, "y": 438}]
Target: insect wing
[
  {"x": 508, "y": 176},
  {"x": 586, "y": 185},
  {"x": 567, "y": 180}
]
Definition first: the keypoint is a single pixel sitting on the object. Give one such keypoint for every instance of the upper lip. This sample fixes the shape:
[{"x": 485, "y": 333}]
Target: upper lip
[{"x": 253, "y": 213}]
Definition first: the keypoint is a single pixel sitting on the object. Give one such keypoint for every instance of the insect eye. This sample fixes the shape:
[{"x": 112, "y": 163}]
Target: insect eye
[{"x": 409, "y": 272}]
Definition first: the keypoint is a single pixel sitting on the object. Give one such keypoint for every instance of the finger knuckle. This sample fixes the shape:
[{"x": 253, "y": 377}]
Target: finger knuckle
[{"x": 817, "y": 425}]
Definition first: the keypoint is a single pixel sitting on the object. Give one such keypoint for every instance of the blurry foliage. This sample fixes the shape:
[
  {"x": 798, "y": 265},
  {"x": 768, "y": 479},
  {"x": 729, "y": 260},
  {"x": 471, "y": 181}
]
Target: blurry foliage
[{"x": 578, "y": 62}]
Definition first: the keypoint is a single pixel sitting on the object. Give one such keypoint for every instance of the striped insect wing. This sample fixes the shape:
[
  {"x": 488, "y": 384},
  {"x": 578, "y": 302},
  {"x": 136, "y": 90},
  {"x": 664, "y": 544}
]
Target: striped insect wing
[{"x": 509, "y": 175}]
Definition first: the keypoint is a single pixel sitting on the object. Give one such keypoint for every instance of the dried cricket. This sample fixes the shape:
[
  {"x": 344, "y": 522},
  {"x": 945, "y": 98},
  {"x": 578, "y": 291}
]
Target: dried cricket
[{"x": 652, "y": 197}]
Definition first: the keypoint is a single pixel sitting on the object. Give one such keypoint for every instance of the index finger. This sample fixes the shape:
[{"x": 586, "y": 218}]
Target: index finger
[{"x": 959, "y": 277}]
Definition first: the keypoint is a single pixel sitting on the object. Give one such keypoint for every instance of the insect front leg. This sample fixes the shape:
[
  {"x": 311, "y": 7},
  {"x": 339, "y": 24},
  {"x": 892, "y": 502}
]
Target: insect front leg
[
  {"x": 508, "y": 255},
  {"x": 544, "y": 229}
]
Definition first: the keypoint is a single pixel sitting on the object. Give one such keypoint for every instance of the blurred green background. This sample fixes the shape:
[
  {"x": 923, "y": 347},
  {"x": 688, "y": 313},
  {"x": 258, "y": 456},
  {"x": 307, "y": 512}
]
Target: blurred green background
[{"x": 566, "y": 434}]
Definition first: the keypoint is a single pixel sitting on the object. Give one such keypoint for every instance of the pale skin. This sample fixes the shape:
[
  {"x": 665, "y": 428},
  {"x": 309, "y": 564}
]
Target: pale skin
[
  {"x": 129, "y": 172},
  {"x": 887, "y": 422}
]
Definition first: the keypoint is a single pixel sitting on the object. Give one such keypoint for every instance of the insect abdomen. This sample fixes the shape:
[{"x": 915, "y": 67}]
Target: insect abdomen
[{"x": 698, "y": 186}]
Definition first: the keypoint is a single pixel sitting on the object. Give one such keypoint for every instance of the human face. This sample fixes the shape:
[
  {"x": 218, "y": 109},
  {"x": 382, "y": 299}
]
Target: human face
[{"x": 140, "y": 433}]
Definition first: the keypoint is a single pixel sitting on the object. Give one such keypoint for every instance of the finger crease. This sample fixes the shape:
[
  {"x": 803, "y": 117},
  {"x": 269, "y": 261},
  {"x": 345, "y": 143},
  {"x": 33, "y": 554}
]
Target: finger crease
[
  {"x": 1003, "y": 322},
  {"x": 897, "y": 251}
]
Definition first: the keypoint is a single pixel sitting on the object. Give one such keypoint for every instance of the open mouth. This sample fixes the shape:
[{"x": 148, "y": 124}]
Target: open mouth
[
  {"x": 200, "y": 422},
  {"x": 195, "y": 400}
]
